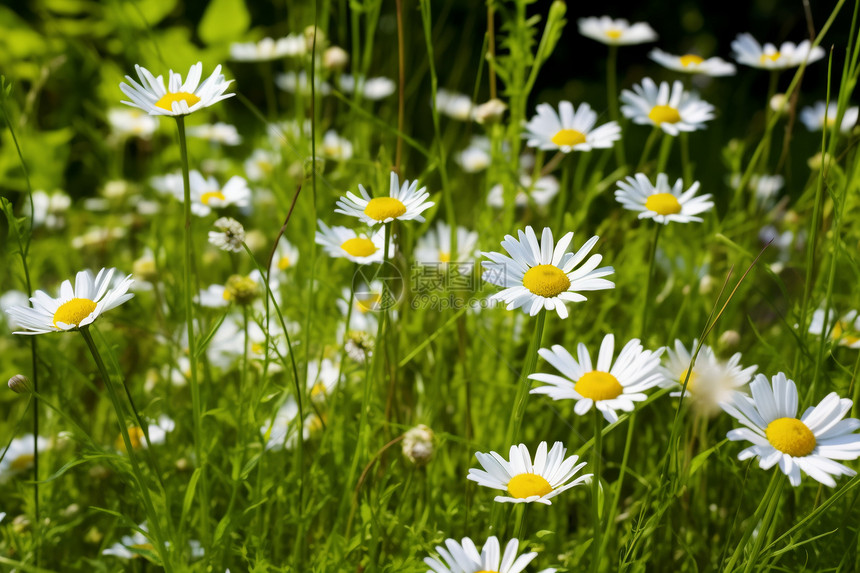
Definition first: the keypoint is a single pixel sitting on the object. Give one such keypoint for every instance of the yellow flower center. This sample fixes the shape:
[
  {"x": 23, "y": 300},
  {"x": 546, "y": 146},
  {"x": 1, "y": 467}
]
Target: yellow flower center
[
  {"x": 839, "y": 334},
  {"x": 546, "y": 280},
  {"x": 206, "y": 197},
  {"x": 568, "y": 137},
  {"x": 74, "y": 311},
  {"x": 691, "y": 59},
  {"x": 166, "y": 101},
  {"x": 318, "y": 390},
  {"x": 284, "y": 263},
  {"x": 444, "y": 257},
  {"x": 613, "y": 33},
  {"x": 790, "y": 436},
  {"x": 663, "y": 204},
  {"x": 22, "y": 462},
  {"x": 359, "y": 247},
  {"x": 369, "y": 302},
  {"x": 135, "y": 436},
  {"x": 691, "y": 382},
  {"x": 383, "y": 208},
  {"x": 598, "y": 386},
  {"x": 664, "y": 114},
  {"x": 257, "y": 348},
  {"x": 526, "y": 485},
  {"x": 772, "y": 57}
]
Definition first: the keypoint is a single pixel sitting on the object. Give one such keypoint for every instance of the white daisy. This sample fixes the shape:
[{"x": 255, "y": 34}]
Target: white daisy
[
  {"x": 157, "y": 434},
  {"x": 291, "y": 82},
  {"x": 345, "y": 243},
  {"x": 477, "y": 156},
  {"x": 269, "y": 49},
  {"x": 404, "y": 202},
  {"x": 213, "y": 296},
  {"x": 322, "y": 378},
  {"x": 219, "y": 132},
  {"x": 661, "y": 202},
  {"x": 693, "y": 64},
  {"x": 18, "y": 457},
  {"x": 336, "y": 147},
  {"x": 765, "y": 187},
  {"x": 137, "y": 544},
  {"x": 207, "y": 194},
  {"x": 49, "y": 208},
  {"x": 454, "y": 104},
  {"x": 541, "y": 274},
  {"x": 608, "y": 386},
  {"x": 712, "y": 380},
  {"x": 672, "y": 109},
  {"x": 525, "y": 481},
  {"x": 366, "y": 300},
  {"x": 434, "y": 247},
  {"x": 616, "y": 32},
  {"x": 822, "y": 115},
  {"x": 749, "y": 52},
  {"x": 76, "y": 306},
  {"x": 261, "y": 164},
  {"x": 569, "y": 129},
  {"x": 846, "y": 331},
  {"x": 810, "y": 443},
  {"x": 372, "y": 88},
  {"x": 178, "y": 98},
  {"x": 229, "y": 236},
  {"x": 131, "y": 123},
  {"x": 463, "y": 557},
  {"x": 540, "y": 193},
  {"x": 286, "y": 255}
]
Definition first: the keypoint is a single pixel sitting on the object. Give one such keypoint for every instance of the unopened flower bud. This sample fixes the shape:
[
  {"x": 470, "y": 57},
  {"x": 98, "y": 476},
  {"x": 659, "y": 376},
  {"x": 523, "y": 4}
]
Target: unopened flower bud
[
  {"x": 729, "y": 339},
  {"x": 778, "y": 103},
  {"x": 144, "y": 268},
  {"x": 20, "y": 384},
  {"x": 335, "y": 59},
  {"x": 418, "y": 445},
  {"x": 320, "y": 39},
  {"x": 240, "y": 289},
  {"x": 490, "y": 112}
]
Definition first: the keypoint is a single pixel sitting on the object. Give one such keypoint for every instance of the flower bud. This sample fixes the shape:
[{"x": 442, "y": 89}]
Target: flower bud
[
  {"x": 490, "y": 112},
  {"x": 20, "y": 384},
  {"x": 335, "y": 59},
  {"x": 242, "y": 290},
  {"x": 418, "y": 445}
]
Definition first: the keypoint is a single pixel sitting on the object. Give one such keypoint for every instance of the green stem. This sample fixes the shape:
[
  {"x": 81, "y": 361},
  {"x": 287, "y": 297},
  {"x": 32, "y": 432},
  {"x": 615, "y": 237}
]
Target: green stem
[
  {"x": 652, "y": 267},
  {"x": 525, "y": 384},
  {"x": 665, "y": 151},
  {"x": 686, "y": 166},
  {"x": 595, "y": 489},
  {"x": 612, "y": 93},
  {"x": 152, "y": 515},
  {"x": 646, "y": 151},
  {"x": 762, "y": 507},
  {"x": 766, "y": 523},
  {"x": 520, "y": 528},
  {"x": 196, "y": 406}
]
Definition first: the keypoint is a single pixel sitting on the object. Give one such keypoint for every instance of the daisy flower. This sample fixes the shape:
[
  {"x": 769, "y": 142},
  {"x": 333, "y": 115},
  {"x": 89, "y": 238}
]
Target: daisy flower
[
  {"x": 453, "y": 104},
  {"x": 822, "y": 115},
  {"x": 269, "y": 49},
  {"x": 463, "y": 557},
  {"x": 76, "y": 306},
  {"x": 207, "y": 194},
  {"x": 749, "y": 52},
  {"x": 693, "y": 64},
  {"x": 616, "y": 32},
  {"x": 131, "y": 123},
  {"x": 157, "y": 434},
  {"x": 810, "y": 443},
  {"x": 477, "y": 156},
  {"x": 219, "y": 132},
  {"x": 178, "y": 98},
  {"x": 261, "y": 164},
  {"x": 372, "y": 88},
  {"x": 18, "y": 458},
  {"x": 404, "y": 202},
  {"x": 336, "y": 147},
  {"x": 569, "y": 129},
  {"x": 661, "y": 202},
  {"x": 540, "y": 193},
  {"x": 286, "y": 255},
  {"x": 525, "y": 481},
  {"x": 846, "y": 331},
  {"x": 49, "y": 208},
  {"x": 292, "y": 82},
  {"x": 345, "y": 243},
  {"x": 434, "y": 247},
  {"x": 229, "y": 236},
  {"x": 711, "y": 381},
  {"x": 672, "y": 109},
  {"x": 608, "y": 386},
  {"x": 542, "y": 274}
]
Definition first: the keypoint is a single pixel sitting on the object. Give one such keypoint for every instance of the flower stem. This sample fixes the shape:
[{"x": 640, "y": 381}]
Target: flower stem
[
  {"x": 612, "y": 93},
  {"x": 152, "y": 515},
  {"x": 772, "y": 490},
  {"x": 646, "y": 302},
  {"x": 196, "y": 406},
  {"x": 525, "y": 384},
  {"x": 595, "y": 489},
  {"x": 646, "y": 151}
]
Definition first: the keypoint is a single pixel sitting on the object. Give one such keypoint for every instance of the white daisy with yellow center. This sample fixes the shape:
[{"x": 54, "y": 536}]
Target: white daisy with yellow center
[
  {"x": 207, "y": 194},
  {"x": 711, "y": 380},
  {"x": 404, "y": 202},
  {"x": 434, "y": 247},
  {"x": 280, "y": 432},
  {"x": 607, "y": 386},
  {"x": 336, "y": 147},
  {"x": 19, "y": 457},
  {"x": 671, "y": 108},
  {"x": 463, "y": 557},
  {"x": 269, "y": 49},
  {"x": 527, "y": 481},
  {"x": 157, "y": 434},
  {"x": 846, "y": 330},
  {"x": 542, "y": 274},
  {"x": 286, "y": 255},
  {"x": 570, "y": 129},
  {"x": 345, "y": 243},
  {"x": 538, "y": 193},
  {"x": 76, "y": 307},
  {"x": 749, "y": 52},
  {"x": 660, "y": 202},
  {"x": 178, "y": 98},
  {"x": 823, "y": 116},
  {"x": 371, "y": 88},
  {"x": 616, "y": 32},
  {"x": 810, "y": 443},
  {"x": 477, "y": 157},
  {"x": 693, "y": 64}
]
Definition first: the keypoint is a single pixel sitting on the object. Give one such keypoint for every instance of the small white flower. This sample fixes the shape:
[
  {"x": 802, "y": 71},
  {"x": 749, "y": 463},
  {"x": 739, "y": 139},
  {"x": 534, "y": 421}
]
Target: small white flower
[
  {"x": 540, "y": 193},
  {"x": 48, "y": 208},
  {"x": 286, "y": 255},
  {"x": 463, "y": 557},
  {"x": 261, "y": 164},
  {"x": 19, "y": 457},
  {"x": 229, "y": 236},
  {"x": 404, "y": 202},
  {"x": 177, "y": 98},
  {"x": 528, "y": 482},
  {"x": 213, "y": 297},
  {"x": 132, "y": 123},
  {"x": 846, "y": 331},
  {"x": 660, "y": 202},
  {"x": 207, "y": 194},
  {"x": 822, "y": 115},
  {"x": 336, "y": 147},
  {"x": 616, "y": 32},
  {"x": 453, "y": 104},
  {"x": 477, "y": 156},
  {"x": 434, "y": 247},
  {"x": 371, "y": 88},
  {"x": 749, "y": 52},
  {"x": 269, "y": 49},
  {"x": 346, "y": 243},
  {"x": 219, "y": 132},
  {"x": 672, "y": 109},
  {"x": 569, "y": 129},
  {"x": 693, "y": 64},
  {"x": 291, "y": 82}
]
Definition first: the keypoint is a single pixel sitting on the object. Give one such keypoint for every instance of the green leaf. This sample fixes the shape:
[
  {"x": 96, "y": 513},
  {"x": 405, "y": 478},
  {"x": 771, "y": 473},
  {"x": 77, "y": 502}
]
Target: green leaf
[{"x": 224, "y": 21}]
